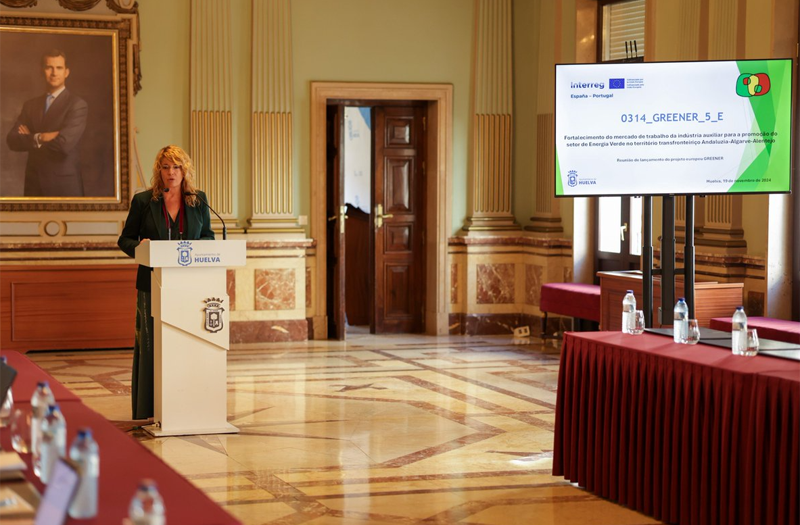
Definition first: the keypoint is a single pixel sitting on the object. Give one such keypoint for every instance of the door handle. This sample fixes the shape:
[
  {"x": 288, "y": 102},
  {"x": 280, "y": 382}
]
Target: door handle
[
  {"x": 379, "y": 216},
  {"x": 342, "y": 215},
  {"x": 622, "y": 230}
]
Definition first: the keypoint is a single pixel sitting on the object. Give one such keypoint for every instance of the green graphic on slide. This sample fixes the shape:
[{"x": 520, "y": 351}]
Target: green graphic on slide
[
  {"x": 559, "y": 186},
  {"x": 772, "y": 125}
]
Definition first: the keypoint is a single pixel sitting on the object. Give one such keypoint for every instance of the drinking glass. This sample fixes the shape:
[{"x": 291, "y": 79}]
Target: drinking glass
[
  {"x": 638, "y": 323},
  {"x": 752, "y": 342},
  {"x": 21, "y": 430},
  {"x": 692, "y": 335}
]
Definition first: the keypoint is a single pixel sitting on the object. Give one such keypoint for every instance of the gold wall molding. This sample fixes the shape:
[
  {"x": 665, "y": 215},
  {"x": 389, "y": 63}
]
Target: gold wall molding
[
  {"x": 490, "y": 198},
  {"x": 492, "y": 154},
  {"x": 272, "y": 166},
  {"x": 212, "y": 142}
]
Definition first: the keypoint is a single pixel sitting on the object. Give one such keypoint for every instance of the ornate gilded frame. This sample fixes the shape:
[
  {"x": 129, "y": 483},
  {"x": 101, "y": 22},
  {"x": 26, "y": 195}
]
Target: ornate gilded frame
[{"x": 119, "y": 59}]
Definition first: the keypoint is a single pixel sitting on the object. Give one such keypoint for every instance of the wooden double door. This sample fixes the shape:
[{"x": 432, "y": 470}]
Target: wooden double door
[{"x": 383, "y": 274}]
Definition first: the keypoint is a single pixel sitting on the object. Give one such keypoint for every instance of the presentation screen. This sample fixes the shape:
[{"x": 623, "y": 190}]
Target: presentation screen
[{"x": 673, "y": 128}]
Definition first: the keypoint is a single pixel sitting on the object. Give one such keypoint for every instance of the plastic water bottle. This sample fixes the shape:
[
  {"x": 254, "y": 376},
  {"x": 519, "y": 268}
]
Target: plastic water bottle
[
  {"x": 147, "y": 507},
  {"x": 739, "y": 331},
  {"x": 86, "y": 456},
  {"x": 628, "y": 312},
  {"x": 53, "y": 444},
  {"x": 8, "y": 403},
  {"x": 41, "y": 399},
  {"x": 680, "y": 321}
]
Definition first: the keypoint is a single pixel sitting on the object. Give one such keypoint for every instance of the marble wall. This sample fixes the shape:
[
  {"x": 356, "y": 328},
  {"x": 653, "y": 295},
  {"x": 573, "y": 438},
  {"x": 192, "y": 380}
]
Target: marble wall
[
  {"x": 495, "y": 281},
  {"x": 268, "y": 295}
]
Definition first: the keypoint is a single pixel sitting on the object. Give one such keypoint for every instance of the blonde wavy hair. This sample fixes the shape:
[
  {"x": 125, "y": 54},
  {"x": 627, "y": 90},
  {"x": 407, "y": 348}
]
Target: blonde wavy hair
[{"x": 177, "y": 156}]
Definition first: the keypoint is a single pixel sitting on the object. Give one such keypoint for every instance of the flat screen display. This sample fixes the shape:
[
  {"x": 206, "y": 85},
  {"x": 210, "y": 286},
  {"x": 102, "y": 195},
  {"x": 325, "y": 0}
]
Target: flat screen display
[{"x": 673, "y": 128}]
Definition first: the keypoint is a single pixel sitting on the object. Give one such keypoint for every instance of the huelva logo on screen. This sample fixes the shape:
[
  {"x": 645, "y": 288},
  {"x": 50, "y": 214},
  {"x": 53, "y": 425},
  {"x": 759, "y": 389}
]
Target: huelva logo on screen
[
  {"x": 752, "y": 84},
  {"x": 572, "y": 178}
]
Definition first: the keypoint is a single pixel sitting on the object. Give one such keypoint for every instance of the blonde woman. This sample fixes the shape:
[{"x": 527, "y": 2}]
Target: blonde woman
[{"x": 169, "y": 210}]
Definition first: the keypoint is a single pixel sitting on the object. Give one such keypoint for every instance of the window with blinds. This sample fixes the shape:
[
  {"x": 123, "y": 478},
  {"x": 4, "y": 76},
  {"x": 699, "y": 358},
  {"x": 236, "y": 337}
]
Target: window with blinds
[{"x": 622, "y": 22}]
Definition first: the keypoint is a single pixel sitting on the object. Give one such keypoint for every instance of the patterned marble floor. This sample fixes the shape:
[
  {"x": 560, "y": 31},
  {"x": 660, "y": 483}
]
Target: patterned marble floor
[{"x": 375, "y": 430}]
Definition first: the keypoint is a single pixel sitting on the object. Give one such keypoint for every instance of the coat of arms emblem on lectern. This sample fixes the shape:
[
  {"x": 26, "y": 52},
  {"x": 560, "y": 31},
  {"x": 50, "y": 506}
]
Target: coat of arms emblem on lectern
[
  {"x": 213, "y": 311},
  {"x": 184, "y": 253}
]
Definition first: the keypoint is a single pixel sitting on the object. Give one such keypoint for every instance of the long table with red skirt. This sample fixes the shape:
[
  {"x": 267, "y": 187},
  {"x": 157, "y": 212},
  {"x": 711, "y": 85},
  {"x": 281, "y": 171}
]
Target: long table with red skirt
[
  {"x": 123, "y": 460},
  {"x": 688, "y": 434}
]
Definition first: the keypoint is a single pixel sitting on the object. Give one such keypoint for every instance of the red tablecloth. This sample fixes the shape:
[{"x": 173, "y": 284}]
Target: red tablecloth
[
  {"x": 687, "y": 434},
  {"x": 28, "y": 374},
  {"x": 777, "y": 450},
  {"x": 123, "y": 461}
]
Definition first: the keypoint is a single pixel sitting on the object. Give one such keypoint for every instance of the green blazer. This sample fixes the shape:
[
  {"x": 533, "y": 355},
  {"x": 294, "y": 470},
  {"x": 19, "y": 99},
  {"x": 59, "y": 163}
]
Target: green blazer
[{"x": 146, "y": 221}]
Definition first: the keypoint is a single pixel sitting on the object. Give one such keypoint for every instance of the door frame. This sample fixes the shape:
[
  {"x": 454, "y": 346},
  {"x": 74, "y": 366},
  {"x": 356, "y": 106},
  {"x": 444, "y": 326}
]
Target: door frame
[{"x": 438, "y": 189}]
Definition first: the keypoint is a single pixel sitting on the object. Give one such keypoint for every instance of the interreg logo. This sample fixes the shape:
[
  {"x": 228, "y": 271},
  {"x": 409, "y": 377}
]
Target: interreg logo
[
  {"x": 213, "y": 311},
  {"x": 185, "y": 253},
  {"x": 572, "y": 178},
  {"x": 752, "y": 84},
  {"x": 587, "y": 85},
  {"x": 616, "y": 83}
]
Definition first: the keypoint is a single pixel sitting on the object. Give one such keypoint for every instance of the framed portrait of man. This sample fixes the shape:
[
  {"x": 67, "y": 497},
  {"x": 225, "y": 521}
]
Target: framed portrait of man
[{"x": 63, "y": 114}]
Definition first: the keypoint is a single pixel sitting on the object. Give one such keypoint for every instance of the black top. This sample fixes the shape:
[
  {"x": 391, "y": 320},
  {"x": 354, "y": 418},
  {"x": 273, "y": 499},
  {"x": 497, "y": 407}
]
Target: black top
[{"x": 146, "y": 221}]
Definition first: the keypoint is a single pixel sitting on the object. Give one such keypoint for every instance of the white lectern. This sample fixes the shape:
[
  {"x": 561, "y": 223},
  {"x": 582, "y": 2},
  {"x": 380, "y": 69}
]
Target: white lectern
[{"x": 192, "y": 333}]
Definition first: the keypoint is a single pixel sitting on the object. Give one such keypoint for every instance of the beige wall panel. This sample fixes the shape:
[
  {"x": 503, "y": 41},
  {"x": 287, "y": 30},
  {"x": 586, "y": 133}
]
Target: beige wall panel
[
  {"x": 272, "y": 198},
  {"x": 526, "y": 46},
  {"x": 722, "y": 29},
  {"x": 545, "y": 147},
  {"x": 211, "y": 102}
]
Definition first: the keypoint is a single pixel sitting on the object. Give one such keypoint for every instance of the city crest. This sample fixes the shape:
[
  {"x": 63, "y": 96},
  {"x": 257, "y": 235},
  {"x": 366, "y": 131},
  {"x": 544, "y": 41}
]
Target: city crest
[
  {"x": 185, "y": 253},
  {"x": 213, "y": 311}
]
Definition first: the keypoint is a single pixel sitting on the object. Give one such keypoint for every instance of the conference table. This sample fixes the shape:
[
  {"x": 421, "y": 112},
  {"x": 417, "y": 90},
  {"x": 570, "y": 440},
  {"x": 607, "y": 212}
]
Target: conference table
[
  {"x": 123, "y": 460},
  {"x": 29, "y": 375},
  {"x": 687, "y": 434}
]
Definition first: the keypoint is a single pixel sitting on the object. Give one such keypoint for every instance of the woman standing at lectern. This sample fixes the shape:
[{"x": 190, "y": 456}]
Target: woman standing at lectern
[{"x": 169, "y": 210}]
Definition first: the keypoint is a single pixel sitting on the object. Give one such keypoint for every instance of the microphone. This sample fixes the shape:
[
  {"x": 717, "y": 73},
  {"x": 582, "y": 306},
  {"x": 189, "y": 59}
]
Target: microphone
[{"x": 224, "y": 228}]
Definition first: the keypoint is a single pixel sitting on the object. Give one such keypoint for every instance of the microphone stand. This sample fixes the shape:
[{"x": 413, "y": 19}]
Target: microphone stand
[
  {"x": 169, "y": 228},
  {"x": 224, "y": 228}
]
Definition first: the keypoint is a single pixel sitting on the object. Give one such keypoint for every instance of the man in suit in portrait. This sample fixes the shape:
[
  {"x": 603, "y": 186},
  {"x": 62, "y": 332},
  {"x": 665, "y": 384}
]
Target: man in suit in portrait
[{"x": 49, "y": 129}]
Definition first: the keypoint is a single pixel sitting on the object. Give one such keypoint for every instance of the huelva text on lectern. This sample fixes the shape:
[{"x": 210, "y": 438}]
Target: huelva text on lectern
[{"x": 192, "y": 333}]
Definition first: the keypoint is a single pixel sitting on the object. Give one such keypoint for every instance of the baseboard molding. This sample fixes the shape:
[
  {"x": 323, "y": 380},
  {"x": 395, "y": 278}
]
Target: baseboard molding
[{"x": 269, "y": 331}]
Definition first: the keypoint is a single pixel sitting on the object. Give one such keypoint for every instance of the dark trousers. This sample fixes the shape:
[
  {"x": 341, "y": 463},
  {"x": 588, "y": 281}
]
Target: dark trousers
[{"x": 142, "y": 377}]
